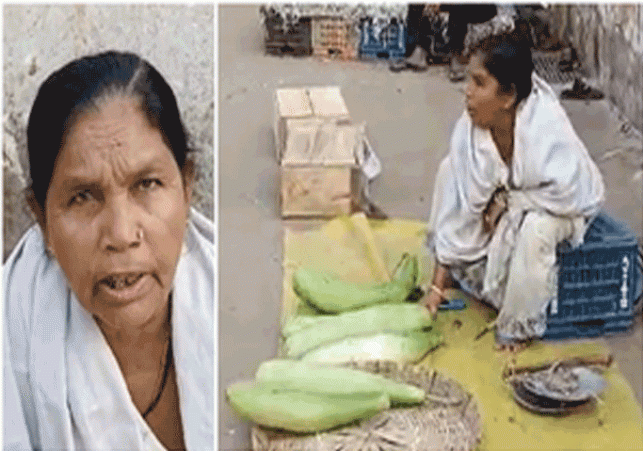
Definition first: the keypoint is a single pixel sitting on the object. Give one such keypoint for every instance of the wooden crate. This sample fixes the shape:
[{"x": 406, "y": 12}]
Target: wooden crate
[
  {"x": 295, "y": 104},
  {"x": 319, "y": 172},
  {"x": 282, "y": 39},
  {"x": 334, "y": 37}
]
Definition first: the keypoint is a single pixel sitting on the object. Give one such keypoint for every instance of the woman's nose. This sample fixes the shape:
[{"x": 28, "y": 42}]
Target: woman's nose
[{"x": 122, "y": 229}]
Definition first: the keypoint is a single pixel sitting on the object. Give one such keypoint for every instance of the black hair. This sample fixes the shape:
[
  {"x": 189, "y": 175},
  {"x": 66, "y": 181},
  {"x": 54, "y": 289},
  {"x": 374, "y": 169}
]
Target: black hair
[
  {"x": 507, "y": 57},
  {"x": 77, "y": 87}
]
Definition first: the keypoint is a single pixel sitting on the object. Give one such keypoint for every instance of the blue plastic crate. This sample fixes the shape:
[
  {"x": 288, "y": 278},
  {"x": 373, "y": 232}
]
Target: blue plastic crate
[
  {"x": 598, "y": 283},
  {"x": 388, "y": 42}
]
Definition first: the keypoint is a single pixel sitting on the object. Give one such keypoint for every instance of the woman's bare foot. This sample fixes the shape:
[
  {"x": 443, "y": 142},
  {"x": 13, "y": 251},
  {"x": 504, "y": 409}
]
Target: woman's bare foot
[
  {"x": 505, "y": 343},
  {"x": 512, "y": 347}
]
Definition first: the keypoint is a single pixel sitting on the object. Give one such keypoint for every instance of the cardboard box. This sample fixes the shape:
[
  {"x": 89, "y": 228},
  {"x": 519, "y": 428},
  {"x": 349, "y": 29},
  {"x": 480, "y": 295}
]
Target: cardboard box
[
  {"x": 295, "y": 104},
  {"x": 320, "y": 175}
]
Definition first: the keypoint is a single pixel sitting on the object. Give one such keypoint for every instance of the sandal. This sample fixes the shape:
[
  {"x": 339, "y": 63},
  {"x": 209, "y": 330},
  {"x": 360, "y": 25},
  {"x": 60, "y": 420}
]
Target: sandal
[
  {"x": 456, "y": 76},
  {"x": 582, "y": 91},
  {"x": 399, "y": 66}
]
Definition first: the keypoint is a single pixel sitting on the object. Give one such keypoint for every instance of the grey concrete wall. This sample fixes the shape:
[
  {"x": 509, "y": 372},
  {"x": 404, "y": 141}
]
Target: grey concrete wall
[
  {"x": 39, "y": 39},
  {"x": 609, "y": 40}
]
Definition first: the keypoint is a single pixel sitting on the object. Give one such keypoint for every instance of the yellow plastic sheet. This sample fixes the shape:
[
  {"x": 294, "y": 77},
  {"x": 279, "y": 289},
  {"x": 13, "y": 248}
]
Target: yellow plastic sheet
[{"x": 345, "y": 246}]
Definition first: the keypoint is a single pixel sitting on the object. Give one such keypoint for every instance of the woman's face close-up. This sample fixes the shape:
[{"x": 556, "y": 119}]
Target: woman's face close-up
[
  {"x": 116, "y": 212},
  {"x": 485, "y": 102}
]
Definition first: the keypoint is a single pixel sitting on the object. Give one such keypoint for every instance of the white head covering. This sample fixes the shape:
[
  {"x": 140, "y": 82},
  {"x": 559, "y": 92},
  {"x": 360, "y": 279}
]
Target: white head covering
[
  {"x": 551, "y": 170},
  {"x": 62, "y": 383}
]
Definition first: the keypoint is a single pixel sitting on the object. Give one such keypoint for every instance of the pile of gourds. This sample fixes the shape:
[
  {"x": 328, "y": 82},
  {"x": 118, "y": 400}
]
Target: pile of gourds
[
  {"x": 362, "y": 321},
  {"x": 310, "y": 397},
  {"x": 306, "y": 393}
]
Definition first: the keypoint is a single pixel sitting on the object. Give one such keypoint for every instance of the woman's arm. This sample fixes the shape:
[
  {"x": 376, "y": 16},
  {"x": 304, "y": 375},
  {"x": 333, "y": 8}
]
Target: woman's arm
[{"x": 441, "y": 281}]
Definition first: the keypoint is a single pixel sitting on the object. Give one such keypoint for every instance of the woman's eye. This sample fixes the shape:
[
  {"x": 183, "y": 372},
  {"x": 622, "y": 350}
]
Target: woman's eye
[
  {"x": 148, "y": 184},
  {"x": 80, "y": 198}
]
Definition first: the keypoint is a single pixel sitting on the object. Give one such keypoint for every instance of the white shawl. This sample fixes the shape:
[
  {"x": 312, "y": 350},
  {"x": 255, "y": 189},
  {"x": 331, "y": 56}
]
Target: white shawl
[
  {"x": 551, "y": 171},
  {"x": 63, "y": 388}
]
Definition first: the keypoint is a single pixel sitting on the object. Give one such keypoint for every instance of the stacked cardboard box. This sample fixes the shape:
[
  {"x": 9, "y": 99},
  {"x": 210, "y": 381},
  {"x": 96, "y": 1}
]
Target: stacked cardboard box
[
  {"x": 295, "y": 106},
  {"x": 317, "y": 149}
]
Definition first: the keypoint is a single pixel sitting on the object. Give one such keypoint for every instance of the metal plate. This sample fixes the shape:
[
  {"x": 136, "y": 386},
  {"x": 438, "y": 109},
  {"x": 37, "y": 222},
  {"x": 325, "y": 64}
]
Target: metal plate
[{"x": 527, "y": 401}]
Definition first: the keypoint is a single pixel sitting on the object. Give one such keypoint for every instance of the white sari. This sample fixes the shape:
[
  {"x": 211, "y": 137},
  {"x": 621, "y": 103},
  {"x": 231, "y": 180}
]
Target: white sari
[
  {"x": 62, "y": 385},
  {"x": 551, "y": 175}
]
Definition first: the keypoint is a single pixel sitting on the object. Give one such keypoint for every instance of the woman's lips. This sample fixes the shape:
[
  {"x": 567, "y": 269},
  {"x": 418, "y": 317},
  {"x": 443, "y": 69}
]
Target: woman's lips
[{"x": 122, "y": 289}]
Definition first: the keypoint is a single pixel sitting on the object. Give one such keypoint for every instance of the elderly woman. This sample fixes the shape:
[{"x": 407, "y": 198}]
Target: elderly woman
[
  {"x": 109, "y": 298},
  {"x": 517, "y": 181}
]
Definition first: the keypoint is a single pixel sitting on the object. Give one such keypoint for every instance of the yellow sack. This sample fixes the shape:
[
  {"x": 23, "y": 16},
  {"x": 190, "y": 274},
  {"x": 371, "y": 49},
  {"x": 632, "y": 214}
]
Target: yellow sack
[{"x": 361, "y": 250}]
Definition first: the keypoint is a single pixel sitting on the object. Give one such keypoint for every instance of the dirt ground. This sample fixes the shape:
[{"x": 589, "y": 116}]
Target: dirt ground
[{"x": 409, "y": 117}]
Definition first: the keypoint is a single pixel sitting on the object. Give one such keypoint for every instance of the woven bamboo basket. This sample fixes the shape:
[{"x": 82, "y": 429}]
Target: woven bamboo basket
[{"x": 448, "y": 419}]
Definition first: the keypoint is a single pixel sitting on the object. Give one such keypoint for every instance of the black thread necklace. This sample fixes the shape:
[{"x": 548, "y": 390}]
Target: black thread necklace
[
  {"x": 166, "y": 371},
  {"x": 166, "y": 366}
]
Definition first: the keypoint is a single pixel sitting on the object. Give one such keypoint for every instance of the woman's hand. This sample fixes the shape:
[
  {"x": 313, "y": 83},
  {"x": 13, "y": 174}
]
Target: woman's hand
[
  {"x": 432, "y": 301},
  {"x": 494, "y": 210},
  {"x": 491, "y": 217},
  {"x": 432, "y": 297}
]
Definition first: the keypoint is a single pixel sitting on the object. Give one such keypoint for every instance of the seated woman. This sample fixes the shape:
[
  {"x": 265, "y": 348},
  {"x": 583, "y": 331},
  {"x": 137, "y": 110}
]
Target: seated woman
[
  {"x": 109, "y": 340},
  {"x": 517, "y": 181}
]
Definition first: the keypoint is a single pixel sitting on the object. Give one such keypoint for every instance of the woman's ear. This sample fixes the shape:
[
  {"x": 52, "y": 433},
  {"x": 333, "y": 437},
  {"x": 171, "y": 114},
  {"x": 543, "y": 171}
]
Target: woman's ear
[
  {"x": 39, "y": 213},
  {"x": 36, "y": 209},
  {"x": 512, "y": 98},
  {"x": 188, "y": 172}
]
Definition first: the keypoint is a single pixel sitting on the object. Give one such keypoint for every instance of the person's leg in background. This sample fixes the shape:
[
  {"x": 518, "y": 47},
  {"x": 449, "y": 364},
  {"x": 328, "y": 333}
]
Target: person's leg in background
[
  {"x": 416, "y": 50},
  {"x": 457, "y": 32},
  {"x": 413, "y": 24},
  {"x": 460, "y": 16}
]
